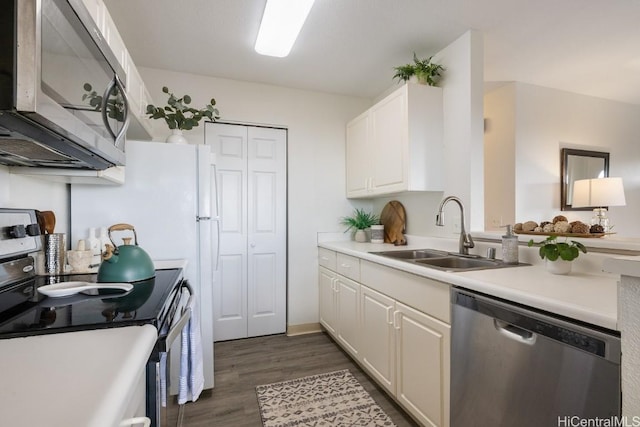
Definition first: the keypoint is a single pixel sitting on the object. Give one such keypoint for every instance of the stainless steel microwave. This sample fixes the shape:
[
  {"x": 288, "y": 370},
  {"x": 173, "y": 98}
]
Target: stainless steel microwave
[{"x": 62, "y": 100}]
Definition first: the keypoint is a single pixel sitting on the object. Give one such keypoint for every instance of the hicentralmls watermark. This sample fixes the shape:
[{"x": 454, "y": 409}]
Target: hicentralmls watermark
[{"x": 575, "y": 421}]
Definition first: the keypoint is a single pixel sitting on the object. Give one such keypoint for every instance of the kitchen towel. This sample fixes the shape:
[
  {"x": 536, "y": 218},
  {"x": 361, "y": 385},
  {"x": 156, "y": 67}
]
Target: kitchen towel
[
  {"x": 163, "y": 379},
  {"x": 191, "y": 381}
]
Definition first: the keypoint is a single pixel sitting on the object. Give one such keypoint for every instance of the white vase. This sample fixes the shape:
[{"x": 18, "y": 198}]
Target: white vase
[
  {"x": 176, "y": 137},
  {"x": 361, "y": 236},
  {"x": 559, "y": 266}
]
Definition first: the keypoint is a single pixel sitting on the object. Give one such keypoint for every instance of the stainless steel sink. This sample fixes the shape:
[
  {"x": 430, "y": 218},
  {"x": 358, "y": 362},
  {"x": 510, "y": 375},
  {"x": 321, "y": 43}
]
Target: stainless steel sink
[
  {"x": 446, "y": 261},
  {"x": 413, "y": 254},
  {"x": 460, "y": 263}
]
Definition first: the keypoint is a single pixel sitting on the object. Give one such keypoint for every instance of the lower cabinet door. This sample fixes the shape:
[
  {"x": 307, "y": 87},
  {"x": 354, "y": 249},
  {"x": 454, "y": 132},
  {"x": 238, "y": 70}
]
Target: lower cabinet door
[
  {"x": 377, "y": 337},
  {"x": 327, "y": 294},
  {"x": 422, "y": 365},
  {"x": 348, "y": 312}
]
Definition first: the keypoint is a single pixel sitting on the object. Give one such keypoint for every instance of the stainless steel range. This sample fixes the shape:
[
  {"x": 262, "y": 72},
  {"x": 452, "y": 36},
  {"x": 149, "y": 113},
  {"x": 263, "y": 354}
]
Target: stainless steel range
[{"x": 24, "y": 311}]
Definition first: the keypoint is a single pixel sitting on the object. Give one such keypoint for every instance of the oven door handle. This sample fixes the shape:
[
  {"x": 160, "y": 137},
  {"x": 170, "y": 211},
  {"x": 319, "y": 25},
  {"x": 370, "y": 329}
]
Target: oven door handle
[{"x": 176, "y": 329}]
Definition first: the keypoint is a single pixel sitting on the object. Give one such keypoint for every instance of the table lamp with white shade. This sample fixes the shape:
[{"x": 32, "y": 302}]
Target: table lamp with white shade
[{"x": 598, "y": 193}]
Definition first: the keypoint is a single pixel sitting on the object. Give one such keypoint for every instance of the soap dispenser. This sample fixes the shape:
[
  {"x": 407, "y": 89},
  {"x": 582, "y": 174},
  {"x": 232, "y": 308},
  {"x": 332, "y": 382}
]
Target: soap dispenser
[{"x": 509, "y": 247}]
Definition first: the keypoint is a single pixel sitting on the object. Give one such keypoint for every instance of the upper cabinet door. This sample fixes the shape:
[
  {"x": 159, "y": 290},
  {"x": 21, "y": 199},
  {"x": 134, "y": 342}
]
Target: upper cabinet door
[
  {"x": 358, "y": 150},
  {"x": 397, "y": 145},
  {"x": 389, "y": 133}
]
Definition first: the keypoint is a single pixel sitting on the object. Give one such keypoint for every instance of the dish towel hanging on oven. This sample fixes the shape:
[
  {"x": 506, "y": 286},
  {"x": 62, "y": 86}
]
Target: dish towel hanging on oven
[
  {"x": 191, "y": 381},
  {"x": 163, "y": 379}
]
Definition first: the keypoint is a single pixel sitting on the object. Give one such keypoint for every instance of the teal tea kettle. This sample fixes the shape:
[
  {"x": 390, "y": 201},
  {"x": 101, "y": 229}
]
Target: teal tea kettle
[{"x": 125, "y": 263}]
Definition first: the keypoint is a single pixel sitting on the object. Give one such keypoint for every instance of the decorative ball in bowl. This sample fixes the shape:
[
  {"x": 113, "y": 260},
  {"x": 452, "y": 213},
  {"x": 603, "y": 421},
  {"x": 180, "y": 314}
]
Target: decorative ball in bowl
[{"x": 79, "y": 261}]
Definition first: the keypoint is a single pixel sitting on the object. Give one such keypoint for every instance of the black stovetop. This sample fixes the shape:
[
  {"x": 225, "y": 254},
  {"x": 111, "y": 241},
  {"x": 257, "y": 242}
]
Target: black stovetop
[{"x": 24, "y": 311}]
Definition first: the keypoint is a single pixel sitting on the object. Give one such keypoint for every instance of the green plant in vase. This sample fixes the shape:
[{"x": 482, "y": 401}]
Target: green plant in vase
[
  {"x": 426, "y": 72},
  {"x": 558, "y": 255},
  {"x": 179, "y": 115},
  {"x": 360, "y": 220}
]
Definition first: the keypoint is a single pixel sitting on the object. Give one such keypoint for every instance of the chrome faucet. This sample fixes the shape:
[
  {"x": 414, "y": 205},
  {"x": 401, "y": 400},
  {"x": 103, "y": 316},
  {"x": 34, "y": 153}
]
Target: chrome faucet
[{"x": 466, "y": 241}]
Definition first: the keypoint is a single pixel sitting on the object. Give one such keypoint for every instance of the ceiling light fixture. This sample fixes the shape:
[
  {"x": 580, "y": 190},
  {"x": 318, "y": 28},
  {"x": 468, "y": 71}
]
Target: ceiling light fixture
[{"x": 280, "y": 26}]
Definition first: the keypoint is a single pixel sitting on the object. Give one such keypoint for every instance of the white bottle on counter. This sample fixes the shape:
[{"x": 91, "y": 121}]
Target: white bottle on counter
[
  {"x": 104, "y": 239},
  {"x": 93, "y": 243}
]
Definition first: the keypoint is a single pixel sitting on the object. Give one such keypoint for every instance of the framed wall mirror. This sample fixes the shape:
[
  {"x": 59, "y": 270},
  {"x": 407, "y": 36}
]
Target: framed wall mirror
[{"x": 579, "y": 164}]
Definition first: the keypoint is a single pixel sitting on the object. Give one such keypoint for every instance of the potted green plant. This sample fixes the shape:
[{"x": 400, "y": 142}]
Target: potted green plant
[
  {"x": 558, "y": 255},
  {"x": 360, "y": 220},
  {"x": 180, "y": 116},
  {"x": 425, "y": 71}
]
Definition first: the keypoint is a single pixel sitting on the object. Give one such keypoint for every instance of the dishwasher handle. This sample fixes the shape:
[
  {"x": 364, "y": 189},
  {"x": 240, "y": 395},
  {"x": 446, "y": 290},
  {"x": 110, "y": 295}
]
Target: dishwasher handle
[{"x": 514, "y": 333}]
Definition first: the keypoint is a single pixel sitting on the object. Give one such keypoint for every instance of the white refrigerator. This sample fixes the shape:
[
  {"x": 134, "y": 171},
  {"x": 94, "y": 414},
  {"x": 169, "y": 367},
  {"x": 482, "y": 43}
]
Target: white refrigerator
[{"x": 169, "y": 196}]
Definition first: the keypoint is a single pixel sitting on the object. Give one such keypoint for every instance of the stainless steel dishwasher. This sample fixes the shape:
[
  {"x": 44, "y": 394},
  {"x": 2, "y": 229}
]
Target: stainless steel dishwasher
[{"x": 514, "y": 366}]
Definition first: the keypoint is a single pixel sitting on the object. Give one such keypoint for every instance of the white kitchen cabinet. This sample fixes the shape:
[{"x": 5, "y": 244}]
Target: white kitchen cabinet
[
  {"x": 114, "y": 40},
  {"x": 347, "y": 301},
  {"x": 420, "y": 312},
  {"x": 396, "y": 325},
  {"x": 348, "y": 266},
  {"x": 359, "y": 167},
  {"x": 327, "y": 294},
  {"x": 339, "y": 301},
  {"x": 407, "y": 351},
  {"x": 96, "y": 9},
  {"x": 377, "y": 344},
  {"x": 140, "y": 125},
  {"x": 422, "y": 365},
  {"x": 397, "y": 144}
]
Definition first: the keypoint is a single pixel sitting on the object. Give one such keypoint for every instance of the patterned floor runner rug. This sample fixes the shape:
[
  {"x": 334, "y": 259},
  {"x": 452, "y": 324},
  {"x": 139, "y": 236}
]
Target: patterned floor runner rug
[{"x": 327, "y": 400}]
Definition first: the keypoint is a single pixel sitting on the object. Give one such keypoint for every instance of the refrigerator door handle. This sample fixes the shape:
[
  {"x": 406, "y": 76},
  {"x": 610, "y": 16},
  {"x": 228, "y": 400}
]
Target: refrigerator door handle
[
  {"x": 217, "y": 221},
  {"x": 204, "y": 182},
  {"x": 216, "y": 211}
]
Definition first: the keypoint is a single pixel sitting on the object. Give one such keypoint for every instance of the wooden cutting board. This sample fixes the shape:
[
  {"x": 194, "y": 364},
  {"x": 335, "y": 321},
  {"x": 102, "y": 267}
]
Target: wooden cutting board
[{"x": 393, "y": 218}]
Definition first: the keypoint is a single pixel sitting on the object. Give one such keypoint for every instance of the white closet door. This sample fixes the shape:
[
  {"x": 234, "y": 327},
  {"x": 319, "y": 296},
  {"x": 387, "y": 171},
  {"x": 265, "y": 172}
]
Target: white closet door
[
  {"x": 267, "y": 231},
  {"x": 250, "y": 283},
  {"x": 229, "y": 143}
]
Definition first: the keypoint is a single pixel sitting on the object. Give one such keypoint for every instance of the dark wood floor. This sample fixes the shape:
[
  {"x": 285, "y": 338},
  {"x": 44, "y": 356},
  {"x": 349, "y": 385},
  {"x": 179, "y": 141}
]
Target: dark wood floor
[{"x": 242, "y": 365}]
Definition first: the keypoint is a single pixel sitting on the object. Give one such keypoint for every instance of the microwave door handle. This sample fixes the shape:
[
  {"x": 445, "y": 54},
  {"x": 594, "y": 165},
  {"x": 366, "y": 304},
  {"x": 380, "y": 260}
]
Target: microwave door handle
[
  {"x": 125, "y": 102},
  {"x": 103, "y": 107}
]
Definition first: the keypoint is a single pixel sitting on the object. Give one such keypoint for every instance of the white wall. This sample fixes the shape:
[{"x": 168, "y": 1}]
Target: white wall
[
  {"x": 316, "y": 125},
  {"x": 18, "y": 191},
  {"x": 546, "y": 120},
  {"x": 499, "y": 158},
  {"x": 462, "y": 86}
]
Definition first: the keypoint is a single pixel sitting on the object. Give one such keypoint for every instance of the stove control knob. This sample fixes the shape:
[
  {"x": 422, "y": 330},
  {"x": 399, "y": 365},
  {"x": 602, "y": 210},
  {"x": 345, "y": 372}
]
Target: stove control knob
[
  {"x": 33, "y": 230},
  {"x": 17, "y": 231}
]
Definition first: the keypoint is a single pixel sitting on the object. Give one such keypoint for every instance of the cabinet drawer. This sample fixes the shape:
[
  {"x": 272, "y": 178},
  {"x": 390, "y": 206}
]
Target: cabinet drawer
[
  {"x": 348, "y": 266},
  {"x": 426, "y": 295},
  {"x": 327, "y": 258}
]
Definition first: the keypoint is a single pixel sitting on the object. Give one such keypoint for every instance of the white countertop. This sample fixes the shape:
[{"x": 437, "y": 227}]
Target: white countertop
[
  {"x": 627, "y": 266},
  {"x": 588, "y": 297},
  {"x": 72, "y": 379}
]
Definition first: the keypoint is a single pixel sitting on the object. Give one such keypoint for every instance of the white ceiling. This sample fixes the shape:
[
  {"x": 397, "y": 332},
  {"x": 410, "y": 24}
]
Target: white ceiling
[{"x": 351, "y": 46}]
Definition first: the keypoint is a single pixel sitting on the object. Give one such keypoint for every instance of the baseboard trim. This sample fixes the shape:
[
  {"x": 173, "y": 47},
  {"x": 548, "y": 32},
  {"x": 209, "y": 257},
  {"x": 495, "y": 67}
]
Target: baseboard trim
[{"x": 305, "y": 328}]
